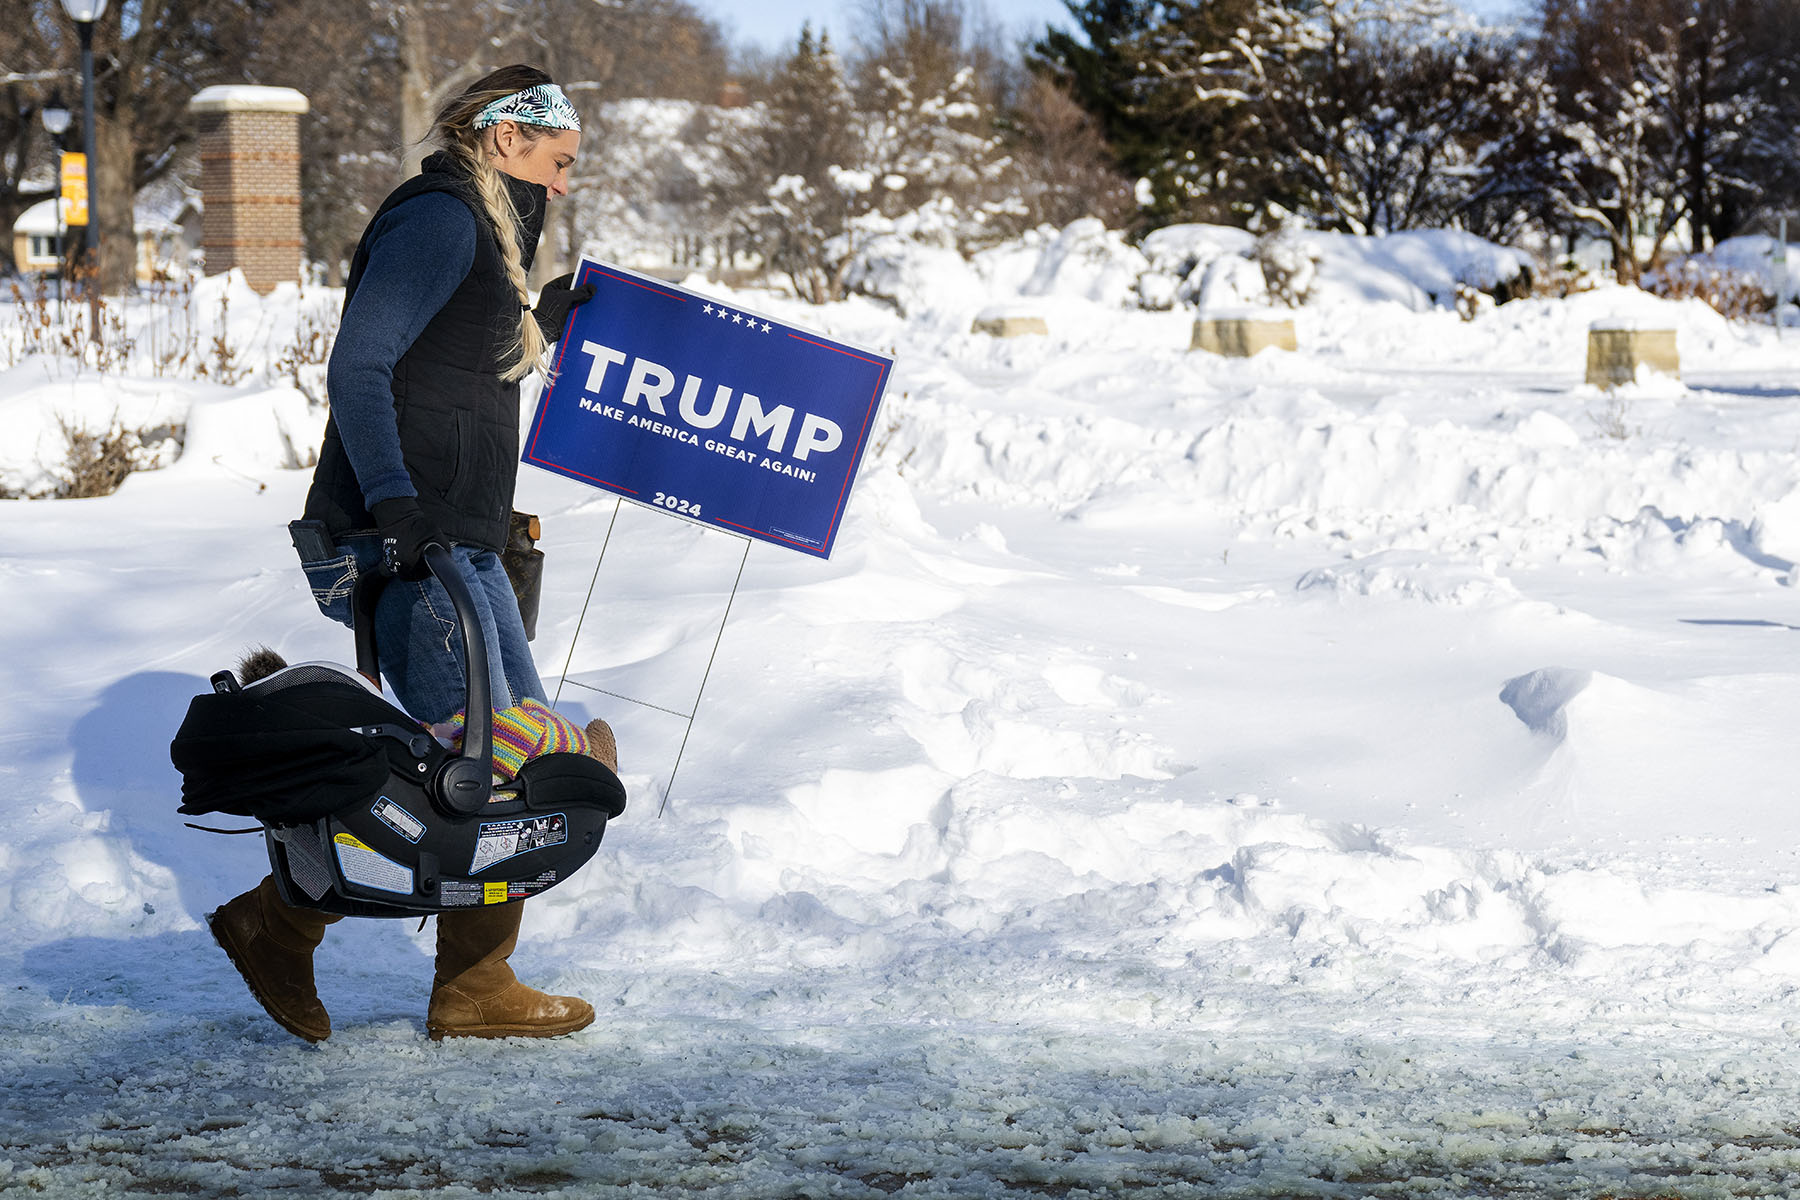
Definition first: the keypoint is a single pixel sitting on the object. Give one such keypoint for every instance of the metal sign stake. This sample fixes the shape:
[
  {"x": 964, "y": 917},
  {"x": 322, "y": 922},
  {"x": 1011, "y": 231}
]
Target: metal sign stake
[{"x": 693, "y": 709}]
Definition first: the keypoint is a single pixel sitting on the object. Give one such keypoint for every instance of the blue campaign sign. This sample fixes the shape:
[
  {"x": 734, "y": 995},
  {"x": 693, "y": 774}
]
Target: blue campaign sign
[{"x": 708, "y": 410}]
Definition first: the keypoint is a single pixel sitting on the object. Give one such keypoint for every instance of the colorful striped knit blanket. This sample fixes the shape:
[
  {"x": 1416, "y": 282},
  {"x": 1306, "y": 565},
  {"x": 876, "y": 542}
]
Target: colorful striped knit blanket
[{"x": 525, "y": 731}]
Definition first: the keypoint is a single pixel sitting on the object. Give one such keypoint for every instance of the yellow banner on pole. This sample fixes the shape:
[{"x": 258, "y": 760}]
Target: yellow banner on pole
[{"x": 74, "y": 198}]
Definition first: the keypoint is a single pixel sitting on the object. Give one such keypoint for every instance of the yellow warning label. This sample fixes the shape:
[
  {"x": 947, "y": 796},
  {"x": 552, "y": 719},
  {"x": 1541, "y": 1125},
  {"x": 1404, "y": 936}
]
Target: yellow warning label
[
  {"x": 492, "y": 893},
  {"x": 366, "y": 868}
]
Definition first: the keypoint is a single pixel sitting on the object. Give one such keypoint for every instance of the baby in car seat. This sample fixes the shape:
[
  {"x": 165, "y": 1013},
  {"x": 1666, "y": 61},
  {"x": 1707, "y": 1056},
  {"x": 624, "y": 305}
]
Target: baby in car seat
[{"x": 522, "y": 732}]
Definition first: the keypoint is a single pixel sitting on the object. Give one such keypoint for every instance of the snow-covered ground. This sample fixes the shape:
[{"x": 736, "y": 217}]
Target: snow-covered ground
[{"x": 1361, "y": 772}]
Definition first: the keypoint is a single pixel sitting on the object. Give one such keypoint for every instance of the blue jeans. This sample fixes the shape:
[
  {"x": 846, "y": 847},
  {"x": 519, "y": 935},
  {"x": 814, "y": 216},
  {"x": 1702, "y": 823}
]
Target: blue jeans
[{"x": 417, "y": 639}]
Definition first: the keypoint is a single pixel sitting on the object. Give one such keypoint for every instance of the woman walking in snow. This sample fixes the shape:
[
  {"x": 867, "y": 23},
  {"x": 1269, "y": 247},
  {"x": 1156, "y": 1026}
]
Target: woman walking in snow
[{"x": 423, "y": 448}]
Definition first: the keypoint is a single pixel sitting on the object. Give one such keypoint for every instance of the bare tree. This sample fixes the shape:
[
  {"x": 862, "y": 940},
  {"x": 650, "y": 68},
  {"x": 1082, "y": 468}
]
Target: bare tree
[
  {"x": 1721, "y": 71},
  {"x": 599, "y": 52},
  {"x": 27, "y": 81},
  {"x": 1667, "y": 113},
  {"x": 150, "y": 57},
  {"x": 1363, "y": 115},
  {"x": 1064, "y": 168},
  {"x": 342, "y": 58}
]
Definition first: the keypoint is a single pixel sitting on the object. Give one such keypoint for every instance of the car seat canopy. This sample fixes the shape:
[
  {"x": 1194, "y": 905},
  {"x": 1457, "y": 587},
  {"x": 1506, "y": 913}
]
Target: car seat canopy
[{"x": 293, "y": 746}]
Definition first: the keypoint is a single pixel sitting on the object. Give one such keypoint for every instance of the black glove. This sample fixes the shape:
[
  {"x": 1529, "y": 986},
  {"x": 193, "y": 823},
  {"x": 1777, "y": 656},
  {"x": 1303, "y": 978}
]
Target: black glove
[
  {"x": 406, "y": 532},
  {"x": 556, "y": 301}
]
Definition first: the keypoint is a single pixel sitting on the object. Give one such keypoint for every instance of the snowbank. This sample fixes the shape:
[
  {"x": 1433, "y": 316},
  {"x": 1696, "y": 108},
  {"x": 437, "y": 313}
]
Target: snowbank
[
  {"x": 1192, "y": 265},
  {"x": 1752, "y": 259},
  {"x": 263, "y": 407}
]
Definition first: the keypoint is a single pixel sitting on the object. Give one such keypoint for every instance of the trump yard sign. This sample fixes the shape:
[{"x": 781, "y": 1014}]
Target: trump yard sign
[{"x": 707, "y": 410}]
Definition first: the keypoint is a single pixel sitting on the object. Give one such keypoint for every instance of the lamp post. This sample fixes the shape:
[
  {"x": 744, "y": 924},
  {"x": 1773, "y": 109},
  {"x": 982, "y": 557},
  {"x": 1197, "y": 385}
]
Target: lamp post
[
  {"x": 84, "y": 13},
  {"x": 56, "y": 116}
]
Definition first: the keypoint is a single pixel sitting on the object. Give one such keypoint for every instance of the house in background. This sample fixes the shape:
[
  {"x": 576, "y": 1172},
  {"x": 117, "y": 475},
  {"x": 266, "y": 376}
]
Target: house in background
[
  {"x": 167, "y": 222},
  {"x": 37, "y": 240}
]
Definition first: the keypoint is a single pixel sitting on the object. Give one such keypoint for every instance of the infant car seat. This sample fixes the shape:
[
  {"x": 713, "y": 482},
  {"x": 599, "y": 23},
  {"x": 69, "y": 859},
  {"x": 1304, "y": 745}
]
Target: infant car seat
[{"x": 364, "y": 813}]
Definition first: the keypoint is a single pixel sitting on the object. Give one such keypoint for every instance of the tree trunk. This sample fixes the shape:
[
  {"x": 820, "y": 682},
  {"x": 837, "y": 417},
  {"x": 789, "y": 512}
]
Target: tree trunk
[
  {"x": 570, "y": 246},
  {"x": 420, "y": 97},
  {"x": 1625, "y": 263},
  {"x": 1699, "y": 223},
  {"x": 1699, "y": 211},
  {"x": 415, "y": 92},
  {"x": 110, "y": 197}
]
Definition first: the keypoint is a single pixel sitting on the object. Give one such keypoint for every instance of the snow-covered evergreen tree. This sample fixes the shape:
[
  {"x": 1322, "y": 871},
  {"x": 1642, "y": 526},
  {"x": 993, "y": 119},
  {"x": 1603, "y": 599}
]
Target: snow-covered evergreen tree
[
  {"x": 916, "y": 143},
  {"x": 1096, "y": 66},
  {"x": 796, "y": 178}
]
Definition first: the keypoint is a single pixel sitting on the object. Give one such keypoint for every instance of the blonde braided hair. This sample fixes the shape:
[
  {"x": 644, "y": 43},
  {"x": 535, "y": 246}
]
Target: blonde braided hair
[{"x": 454, "y": 132}]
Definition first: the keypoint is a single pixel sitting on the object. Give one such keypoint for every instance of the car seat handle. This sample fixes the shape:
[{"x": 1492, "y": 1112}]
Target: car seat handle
[{"x": 464, "y": 783}]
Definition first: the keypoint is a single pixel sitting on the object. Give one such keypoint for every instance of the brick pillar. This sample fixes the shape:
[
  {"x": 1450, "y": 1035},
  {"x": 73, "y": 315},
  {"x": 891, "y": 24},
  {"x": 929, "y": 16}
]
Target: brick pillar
[{"x": 250, "y": 180}]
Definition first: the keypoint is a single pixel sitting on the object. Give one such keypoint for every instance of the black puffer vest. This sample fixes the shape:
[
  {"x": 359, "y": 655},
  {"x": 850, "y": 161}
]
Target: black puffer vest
[{"x": 458, "y": 420}]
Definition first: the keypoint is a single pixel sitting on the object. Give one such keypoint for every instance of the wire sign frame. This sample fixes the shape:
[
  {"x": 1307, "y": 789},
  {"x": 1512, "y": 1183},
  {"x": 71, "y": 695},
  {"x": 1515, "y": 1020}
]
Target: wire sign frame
[{"x": 693, "y": 709}]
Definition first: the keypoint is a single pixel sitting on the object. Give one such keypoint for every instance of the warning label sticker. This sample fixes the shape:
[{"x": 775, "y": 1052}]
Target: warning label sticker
[
  {"x": 461, "y": 893},
  {"x": 501, "y": 891},
  {"x": 501, "y": 840},
  {"x": 398, "y": 819},
  {"x": 518, "y": 889},
  {"x": 362, "y": 865}
]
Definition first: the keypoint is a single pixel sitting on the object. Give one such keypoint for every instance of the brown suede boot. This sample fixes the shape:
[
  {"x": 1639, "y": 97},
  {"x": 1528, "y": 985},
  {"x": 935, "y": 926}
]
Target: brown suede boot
[
  {"x": 475, "y": 994},
  {"x": 271, "y": 944},
  {"x": 602, "y": 745}
]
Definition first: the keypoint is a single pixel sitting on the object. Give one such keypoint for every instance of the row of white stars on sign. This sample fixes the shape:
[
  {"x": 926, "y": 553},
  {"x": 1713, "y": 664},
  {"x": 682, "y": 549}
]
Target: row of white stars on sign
[{"x": 722, "y": 312}]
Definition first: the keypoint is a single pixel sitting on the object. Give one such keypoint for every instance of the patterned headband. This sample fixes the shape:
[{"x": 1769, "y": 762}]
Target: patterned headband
[{"x": 544, "y": 104}]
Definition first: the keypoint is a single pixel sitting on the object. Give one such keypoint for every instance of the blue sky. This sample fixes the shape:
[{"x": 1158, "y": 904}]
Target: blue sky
[{"x": 774, "y": 24}]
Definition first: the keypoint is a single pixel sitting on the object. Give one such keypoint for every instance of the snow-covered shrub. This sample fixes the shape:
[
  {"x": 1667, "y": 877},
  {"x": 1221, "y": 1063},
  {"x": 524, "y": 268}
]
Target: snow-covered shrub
[
  {"x": 911, "y": 261},
  {"x": 1472, "y": 302},
  {"x": 1216, "y": 266},
  {"x": 1738, "y": 277},
  {"x": 1289, "y": 266},
  {"x": 1563, "y": 278},
  {"x": 97, "y": 463},
  {"x": 1755, "y": 257},
  {"x": 1441, "y": 261},
  {"x": 1182, "y": 253},
  {"x": 1732, "y": 293},
  {"x": 1232, "y": 281},
  {"x": 1089, "y": 261},
  {"x": 1157, "y": 292}
]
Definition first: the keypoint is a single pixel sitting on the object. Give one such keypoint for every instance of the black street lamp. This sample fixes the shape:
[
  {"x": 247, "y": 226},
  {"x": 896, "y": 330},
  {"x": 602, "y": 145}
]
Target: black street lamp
[
  {"x": 84, "y": 13},
  {"x": 56, "y": 116}
]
